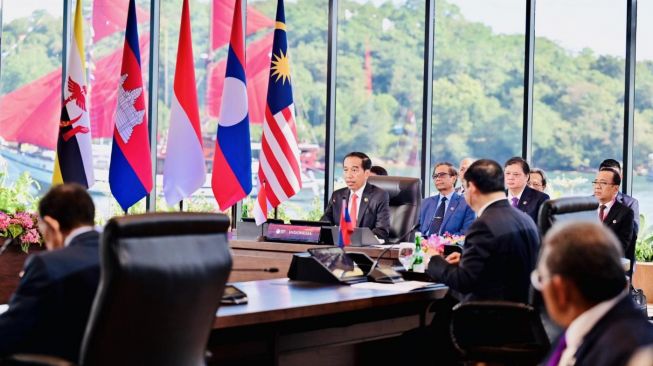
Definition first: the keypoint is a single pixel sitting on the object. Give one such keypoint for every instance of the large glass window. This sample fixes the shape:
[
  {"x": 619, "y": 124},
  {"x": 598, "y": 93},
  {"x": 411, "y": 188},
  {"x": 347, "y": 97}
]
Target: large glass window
[
  {"x": 379, "y": 84},
  {"x": 578, "y": 90},
  {"x": 643, "y": 149},
  {"x": 477, "y": 80}
]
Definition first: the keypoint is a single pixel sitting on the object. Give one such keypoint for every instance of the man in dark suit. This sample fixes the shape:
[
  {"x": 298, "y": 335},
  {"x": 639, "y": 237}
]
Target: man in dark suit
[
  {"x": 367, "y": 204},
  {"x": 627, "y": 200},
  {"x": 446, "y": 212},
  {"x": 501, "y": 245},
  {"x": 613, "y": 214},
  {"x": 584, "y": 289},
  {"x": 520, "y": 195},
  {"x": 48, "y": 312}
]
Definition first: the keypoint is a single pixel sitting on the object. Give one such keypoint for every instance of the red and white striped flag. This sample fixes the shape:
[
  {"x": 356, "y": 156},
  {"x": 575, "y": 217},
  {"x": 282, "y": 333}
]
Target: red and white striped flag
[{"x": 279, "y": 174}]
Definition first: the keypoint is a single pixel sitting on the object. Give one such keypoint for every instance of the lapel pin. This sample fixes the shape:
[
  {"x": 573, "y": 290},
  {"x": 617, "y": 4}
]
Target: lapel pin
[
  {"x": 365, "y": 199},
  {"x": 451, "y": 208},
  {"x": 614, "y": 221},
  {"x": 524, "y": 202}
]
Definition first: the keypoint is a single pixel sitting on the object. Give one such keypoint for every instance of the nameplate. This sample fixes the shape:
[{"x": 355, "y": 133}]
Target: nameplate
[{"x": 293, "y": 233}]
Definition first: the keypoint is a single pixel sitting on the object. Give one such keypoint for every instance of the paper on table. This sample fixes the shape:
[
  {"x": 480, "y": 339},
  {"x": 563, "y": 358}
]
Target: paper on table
[
  {"x": 405, "y": 286},
  {"x": 3, "y": 308}
]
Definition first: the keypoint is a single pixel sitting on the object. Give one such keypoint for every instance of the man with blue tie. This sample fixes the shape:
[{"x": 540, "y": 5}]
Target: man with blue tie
[{"x": 447, "y": 212}]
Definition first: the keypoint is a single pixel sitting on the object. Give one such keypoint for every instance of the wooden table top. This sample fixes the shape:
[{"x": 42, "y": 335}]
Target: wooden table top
[{"x": 283, "y": 299}]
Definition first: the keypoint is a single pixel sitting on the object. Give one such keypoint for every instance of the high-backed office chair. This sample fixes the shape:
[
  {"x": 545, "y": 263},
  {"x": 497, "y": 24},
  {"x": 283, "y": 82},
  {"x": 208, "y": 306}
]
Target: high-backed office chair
[
  {"x": 567, "y": 209},
  {"x": 405, "y": 201},
  {"x": 497, "y": 331},
  {"x": 162, "y": 278}
]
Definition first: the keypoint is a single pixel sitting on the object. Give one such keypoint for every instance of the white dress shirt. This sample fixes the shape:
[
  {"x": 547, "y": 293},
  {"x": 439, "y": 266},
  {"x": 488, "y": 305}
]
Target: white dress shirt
[{"x": 77, "y": 232}]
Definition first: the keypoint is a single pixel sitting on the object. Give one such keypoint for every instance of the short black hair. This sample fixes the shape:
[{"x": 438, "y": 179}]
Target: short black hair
[
  {"x": 367, "y": 162},
  {"x": 487, "y": 176},
  {"x": 616, "y": 178},
  {"x": 378, "y": 170},
  {"x": 518, "y": 160},
  {"x": 69, "y": 204},
  {"x": 610, "y": 163},
  {"x": 589, "y": 255},
  {"x": 541, "y": 173}
]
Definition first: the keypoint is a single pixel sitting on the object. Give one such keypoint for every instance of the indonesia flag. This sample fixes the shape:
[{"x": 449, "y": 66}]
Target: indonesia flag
[
  {"x": 184, "y": 170},
  {"x": 279, "y": 170},
  {"x": 130, "y": 170},
  {"x": 346, "y": 226},
  {"x": 232, "y": 162},
  {"x": 74, "y": 159}
]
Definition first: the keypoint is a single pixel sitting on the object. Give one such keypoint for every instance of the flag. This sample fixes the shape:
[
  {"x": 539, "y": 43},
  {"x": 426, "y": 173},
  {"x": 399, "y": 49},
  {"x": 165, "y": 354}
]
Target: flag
[
  {"x": 74, "y": 159},
  {"x": 346, "y": 226},
  {"x": 279, "y": 172},
  {"x": 184, "y": 170},
  {"x": 232, "y": 161},
  {"x": 130, "y": 170}
]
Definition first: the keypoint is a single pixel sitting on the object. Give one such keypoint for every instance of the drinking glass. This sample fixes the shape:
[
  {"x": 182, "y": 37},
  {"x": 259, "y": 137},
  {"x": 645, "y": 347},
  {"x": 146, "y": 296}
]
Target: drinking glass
[{"x": 405, "y": 256}]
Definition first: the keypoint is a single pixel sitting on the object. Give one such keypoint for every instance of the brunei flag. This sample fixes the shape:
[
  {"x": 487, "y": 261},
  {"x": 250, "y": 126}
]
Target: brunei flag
[
  {"x": 74, "y": 160},
  {"x": 130, "y": 170}
]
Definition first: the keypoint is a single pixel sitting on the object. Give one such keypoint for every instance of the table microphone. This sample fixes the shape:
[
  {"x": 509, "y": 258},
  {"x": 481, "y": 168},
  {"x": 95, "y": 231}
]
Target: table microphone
[
  {"x": 269, "y": 269},
  {"x": 5, "y": 245},
  {"x": 382, "y": 277}
]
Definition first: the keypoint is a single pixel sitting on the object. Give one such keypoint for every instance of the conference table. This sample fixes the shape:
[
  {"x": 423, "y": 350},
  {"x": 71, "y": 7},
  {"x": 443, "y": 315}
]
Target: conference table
[{"x": 290, "y": 322}]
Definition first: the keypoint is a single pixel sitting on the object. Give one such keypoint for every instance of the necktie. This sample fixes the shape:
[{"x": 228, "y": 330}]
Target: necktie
[
  {"x": 434, "y": 229},
  {"x": 602, "y": 212},
  {"x": 353, "y": 210},
  {"x": 557, "y": 352},
  {"x": 515, "y": 202}
]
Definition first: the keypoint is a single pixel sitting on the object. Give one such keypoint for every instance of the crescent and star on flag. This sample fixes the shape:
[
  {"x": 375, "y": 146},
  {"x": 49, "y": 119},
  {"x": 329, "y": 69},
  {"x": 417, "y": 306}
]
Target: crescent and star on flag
[{"x": 281, "y": 63}]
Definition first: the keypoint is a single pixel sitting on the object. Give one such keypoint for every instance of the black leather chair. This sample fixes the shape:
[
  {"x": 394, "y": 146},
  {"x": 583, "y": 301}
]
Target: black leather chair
[
  {"x": 405, "y": 200},
  {"x": 567, "y": 209},
  {"x": 162, "y": 278},
  {"x": 497, "y": 331}
]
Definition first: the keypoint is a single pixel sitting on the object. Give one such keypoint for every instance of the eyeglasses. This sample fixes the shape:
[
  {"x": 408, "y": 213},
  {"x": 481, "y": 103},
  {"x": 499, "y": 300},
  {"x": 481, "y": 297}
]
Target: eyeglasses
[
  {"x": 440, "y": 175},
  {"x": 538, "y": 280},
  {"x": 601, "y": 184},
  {"x": 535, "y": 184}
]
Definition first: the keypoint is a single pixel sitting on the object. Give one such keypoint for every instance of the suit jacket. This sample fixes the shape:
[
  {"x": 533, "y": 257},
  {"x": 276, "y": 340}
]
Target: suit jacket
[
  {"x": 500, "y": 252},
  {"x": 530, "y": 202},
  {"x": 633, "y": 204},
  {"x": 48, "y": 312},
  {"x": 373, "y": 213},
  {"x": 620, "y": 220},
  {"x": 615, "y": 337},
  {"x": 456, "y": 220}
]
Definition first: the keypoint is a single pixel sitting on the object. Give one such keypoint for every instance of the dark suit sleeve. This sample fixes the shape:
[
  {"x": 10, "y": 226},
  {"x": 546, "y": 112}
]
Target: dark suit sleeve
[
  {"x": 26, "y": 307},
  {"x": 382, "y": 225},
  {"x": 625, "y": 230},
  {"x": 328, "y": 213},
  {"x": 464, "y": 276},
  {"x": 634, "y": 205}
]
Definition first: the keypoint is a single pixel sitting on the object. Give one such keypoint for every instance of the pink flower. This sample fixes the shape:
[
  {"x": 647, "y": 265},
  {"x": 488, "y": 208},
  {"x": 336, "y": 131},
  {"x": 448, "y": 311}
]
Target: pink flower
[
  {"x": 24, "y": 219},
  {"x": 4, "y": 221},
  {"x": 31, "y": 236}
]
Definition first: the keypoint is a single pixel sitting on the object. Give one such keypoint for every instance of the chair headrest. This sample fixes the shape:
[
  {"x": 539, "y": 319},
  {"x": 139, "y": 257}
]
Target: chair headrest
[
  {"x": 167, "y": 224},
  {"x": 567, "y": 209},
  {"x": 402, "y": 190}
]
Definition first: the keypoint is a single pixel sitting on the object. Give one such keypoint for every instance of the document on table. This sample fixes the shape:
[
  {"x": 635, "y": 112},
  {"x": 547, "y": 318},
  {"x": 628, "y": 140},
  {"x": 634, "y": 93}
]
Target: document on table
[
  {"x": 3, "y": 308},
  {"x": 405, "y": 286}
]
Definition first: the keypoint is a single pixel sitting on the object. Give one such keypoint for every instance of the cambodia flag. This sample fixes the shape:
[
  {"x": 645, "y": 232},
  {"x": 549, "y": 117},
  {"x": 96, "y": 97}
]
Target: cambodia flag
[
  {"x": 130, "y": 170},
  {"x": 232, "y": 162},
  {"x": 346, "y": 226},
  {"x": 184, "y": 170}
]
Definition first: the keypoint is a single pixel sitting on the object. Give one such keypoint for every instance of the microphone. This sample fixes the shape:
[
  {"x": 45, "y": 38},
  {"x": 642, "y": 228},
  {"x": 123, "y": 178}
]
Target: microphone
[
  {"x": 5, "y": 245},
  {"x": 269, "y": 269},
  {"x": 383, "y": 277}
]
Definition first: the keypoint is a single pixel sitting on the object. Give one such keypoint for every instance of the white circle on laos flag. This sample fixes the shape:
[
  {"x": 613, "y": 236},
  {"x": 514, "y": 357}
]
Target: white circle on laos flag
[{"x": 234, "y": 102}]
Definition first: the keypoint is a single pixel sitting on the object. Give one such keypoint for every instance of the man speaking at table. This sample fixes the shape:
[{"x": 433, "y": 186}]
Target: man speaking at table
[{"x": 367, "y": 203}]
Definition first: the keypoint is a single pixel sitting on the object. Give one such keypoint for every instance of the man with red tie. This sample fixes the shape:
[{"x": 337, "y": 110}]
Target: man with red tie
[
  {"x": 614, "y": 214},
  {"x": 367, "y": 203}
]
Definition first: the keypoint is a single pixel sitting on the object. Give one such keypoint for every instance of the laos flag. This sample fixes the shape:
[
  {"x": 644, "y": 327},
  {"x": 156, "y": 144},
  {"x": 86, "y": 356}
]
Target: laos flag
[
  {"x": 231, "y": 180},
  {"x": 130, "y": 170}
]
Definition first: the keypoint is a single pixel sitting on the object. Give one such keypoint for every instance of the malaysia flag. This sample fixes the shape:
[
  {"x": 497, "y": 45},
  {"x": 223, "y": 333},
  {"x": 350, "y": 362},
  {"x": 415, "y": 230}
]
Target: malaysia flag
[
  {"x": 184, "y": 170},
  {"x": 231, "y": 180},
  {"x": 130, "y": 170}
]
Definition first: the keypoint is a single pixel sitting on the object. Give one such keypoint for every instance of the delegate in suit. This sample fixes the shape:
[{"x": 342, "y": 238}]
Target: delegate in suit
[
  {"x": 48, "y": 312},
  {"x": 446, "y": 212},
  {"x": 585, "y": 291},
  {"x": 367, "y": 204},
  {"x": 520, "y": 195},
  {"x": 501, "y": 245}
]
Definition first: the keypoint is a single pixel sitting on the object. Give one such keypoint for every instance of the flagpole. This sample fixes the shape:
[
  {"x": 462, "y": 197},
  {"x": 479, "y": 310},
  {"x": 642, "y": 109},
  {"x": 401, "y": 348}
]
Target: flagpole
[
  {"x": 67, "y": 4},
  {"x": 153, "y": 97}
]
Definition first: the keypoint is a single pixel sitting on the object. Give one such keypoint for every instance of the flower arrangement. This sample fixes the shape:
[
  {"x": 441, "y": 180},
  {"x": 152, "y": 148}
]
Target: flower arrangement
[
  {"x": 436, "y": 243},
  {"x": 20, "y": 227}
]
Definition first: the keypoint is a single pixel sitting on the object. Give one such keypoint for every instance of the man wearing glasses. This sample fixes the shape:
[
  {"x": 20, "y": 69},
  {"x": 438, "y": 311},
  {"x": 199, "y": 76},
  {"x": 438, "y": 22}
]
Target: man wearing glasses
[
  {"x": 584, "y": 288},
  {"x": 446, "y": 212},
  {"x": 614, "y": 214}
]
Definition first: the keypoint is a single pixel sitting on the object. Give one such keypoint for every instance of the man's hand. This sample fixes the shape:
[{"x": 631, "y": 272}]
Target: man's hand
[{"x": 453, "y": 258}]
